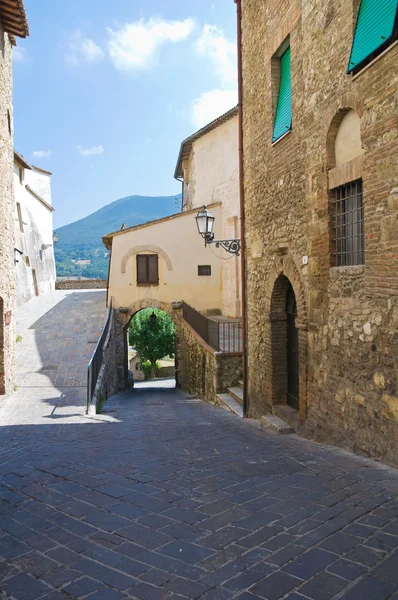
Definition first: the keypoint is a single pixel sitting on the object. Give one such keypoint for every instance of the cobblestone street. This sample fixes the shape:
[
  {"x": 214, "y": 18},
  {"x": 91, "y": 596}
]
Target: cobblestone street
[{"x": 164, "y": 496}]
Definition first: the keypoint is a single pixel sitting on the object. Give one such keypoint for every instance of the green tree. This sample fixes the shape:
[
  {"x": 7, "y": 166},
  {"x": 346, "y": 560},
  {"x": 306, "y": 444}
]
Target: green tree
[{"x": 152, "y": 339}]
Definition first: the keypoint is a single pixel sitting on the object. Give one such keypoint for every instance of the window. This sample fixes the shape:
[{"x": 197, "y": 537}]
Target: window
[
  {"x": 9, "y": 122},
  {"x": 204, "y": 269},
  {"x": 283, "y": 113},
  {"x": 348, "y": 225},
  {"x": 19, "y": 211},
  {"x": 147, "y": 269},
  {"x": 21, "y": 174},
  {"x": 376, "y": 28}
]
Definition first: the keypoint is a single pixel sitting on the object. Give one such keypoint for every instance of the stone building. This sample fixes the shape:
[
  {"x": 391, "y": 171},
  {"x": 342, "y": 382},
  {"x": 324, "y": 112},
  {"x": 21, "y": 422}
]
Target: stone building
[
  {"x": 12, "y": 23},
  {"x": 320, "y": 161},
  {"x": 35, "y": 263}
]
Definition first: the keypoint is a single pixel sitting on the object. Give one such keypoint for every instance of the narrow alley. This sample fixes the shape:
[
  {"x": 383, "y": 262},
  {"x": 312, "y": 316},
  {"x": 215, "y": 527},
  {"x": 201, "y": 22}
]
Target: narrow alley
[{"x": 165, "y": 496}]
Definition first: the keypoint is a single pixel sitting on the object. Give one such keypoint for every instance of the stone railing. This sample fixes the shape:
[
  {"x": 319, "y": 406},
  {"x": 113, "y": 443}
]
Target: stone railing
[{"x": 81, "y": 284}]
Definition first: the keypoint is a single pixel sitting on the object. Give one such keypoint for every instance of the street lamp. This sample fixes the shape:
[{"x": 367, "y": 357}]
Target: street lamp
[
  {"x": 55, "y": 237},
  {"x": 205, "y": 224},
  {"x": 153, "y": 319}
]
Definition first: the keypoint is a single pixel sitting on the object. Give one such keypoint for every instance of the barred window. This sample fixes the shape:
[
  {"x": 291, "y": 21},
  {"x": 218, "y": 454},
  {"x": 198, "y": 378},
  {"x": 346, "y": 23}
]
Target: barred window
[
  {"x": 348, "y": 225},
  {"x": 147, "y": 269},
  {"x": 204, "y": 269}
]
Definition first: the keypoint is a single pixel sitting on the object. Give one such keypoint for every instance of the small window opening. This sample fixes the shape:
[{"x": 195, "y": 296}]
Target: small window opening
[
  {"x": 19, "y": 211},
  {"x": 204, "y": 270}
]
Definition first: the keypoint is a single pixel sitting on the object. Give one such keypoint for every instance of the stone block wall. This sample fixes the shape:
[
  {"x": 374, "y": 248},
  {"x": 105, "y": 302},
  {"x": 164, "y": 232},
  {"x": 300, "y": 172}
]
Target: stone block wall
[
  {"x": 7, "y": 275},
  {"x": 81, "y": 284},
  {"x": 347, "y": 317}
]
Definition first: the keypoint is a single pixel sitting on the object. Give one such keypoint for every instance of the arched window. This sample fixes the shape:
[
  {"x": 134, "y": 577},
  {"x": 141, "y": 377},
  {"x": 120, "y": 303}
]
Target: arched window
[{"x": 346, "y": 192}]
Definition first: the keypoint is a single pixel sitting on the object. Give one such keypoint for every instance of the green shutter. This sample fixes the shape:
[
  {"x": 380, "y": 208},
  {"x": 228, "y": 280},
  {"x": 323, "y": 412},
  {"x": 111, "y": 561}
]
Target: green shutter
[
  {"x": 283, "y": 115},
  {"x": 375, "y": 25}
]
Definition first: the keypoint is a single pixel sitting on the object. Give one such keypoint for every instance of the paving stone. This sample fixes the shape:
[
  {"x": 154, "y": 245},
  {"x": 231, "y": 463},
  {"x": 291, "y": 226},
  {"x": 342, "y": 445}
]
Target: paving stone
[
  {"x": 361, "y": 531},
  {"x": 185, "y": 587},
  {"x": 60, "y": 577},
  {"x": 324, "y": 586},
  {"x": 182, "y": 531},
  {"x": 82, "y": 587},
  {"x": 144, "y": 591},
  {"x": 275, "y": 586},
  {"x": 154, "y": 521},
  {"x": 106, "y": 594},
  {"x": 156, "y": 576},
  {"x": 308, "y": 564},
  {"x": 35, "y": 563},
  {"x": 260, "y": 536},
  {"x": 144, "y": 536},
  {"x": 347, "y": 569},
  {"x": 223, "y": 537},
  {"x": 370, "y": 588},
  {"x": 103, "y": 574},
  {"x": 185, "y": 551},
  {"x": 107, "y": 521},
  {"x": 249, "y": 577},
  {"x": 129, "y": 511},
  {"x": 222, "y": 557},
  {"x": 116, "y": 560},
  {"x": 364, "y": 555},
  {"x": 382, "y": 541},
  {"x": 286, "y": 554},
  {"x": 11, "y": 547},
  {"x": 388, "y": 569},
  {"x": 278, "y": 542},
  {"x": 24, "y": 587},
  {"x": 340, "y": 543}
]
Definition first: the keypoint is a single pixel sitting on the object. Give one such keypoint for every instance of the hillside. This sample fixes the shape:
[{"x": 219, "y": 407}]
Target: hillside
[{"x": 81, "y": 240}]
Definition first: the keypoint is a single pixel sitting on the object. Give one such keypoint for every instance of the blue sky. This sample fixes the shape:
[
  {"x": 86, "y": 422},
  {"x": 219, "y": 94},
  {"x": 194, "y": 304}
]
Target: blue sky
[{"x": 104, "y": 92}]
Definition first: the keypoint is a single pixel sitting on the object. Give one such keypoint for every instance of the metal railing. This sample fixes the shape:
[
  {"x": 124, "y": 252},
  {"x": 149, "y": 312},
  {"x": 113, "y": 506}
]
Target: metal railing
[
  {"x": 223, "y": 336},
  {"x": 95, "y": 364}
]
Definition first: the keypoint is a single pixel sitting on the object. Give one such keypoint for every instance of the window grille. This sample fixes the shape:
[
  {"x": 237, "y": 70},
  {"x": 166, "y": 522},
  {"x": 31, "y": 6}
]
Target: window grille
[
  {"x": 348, "y": 225},
  {"x": 147, "y": 269},
  {"x": 204, "y": 269}
]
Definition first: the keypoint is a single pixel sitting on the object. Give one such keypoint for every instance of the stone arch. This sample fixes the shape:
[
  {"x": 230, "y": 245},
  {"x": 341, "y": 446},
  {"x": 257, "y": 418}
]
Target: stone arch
[
  {"x": 146, "y": 248},
  {"x": 124, "y": 317},
  {"x": 333, "y": 120},
  {"x": 284, "y": 273}
]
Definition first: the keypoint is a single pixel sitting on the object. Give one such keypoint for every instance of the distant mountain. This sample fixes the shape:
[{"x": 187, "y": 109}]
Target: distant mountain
[{"x": 82, "y": 240}]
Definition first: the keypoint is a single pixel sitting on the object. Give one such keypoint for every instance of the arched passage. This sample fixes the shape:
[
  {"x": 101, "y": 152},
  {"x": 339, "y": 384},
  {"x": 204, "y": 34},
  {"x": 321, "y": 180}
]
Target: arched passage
[{"x": 124, "y": 318}]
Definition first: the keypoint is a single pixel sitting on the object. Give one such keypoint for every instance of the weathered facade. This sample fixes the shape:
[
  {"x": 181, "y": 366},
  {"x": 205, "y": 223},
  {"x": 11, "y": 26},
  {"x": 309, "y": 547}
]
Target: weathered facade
[
  {"x": 321, "y": 216},
  {"x": 35, "y": 263},
  {"x": 9, "y": 27}
]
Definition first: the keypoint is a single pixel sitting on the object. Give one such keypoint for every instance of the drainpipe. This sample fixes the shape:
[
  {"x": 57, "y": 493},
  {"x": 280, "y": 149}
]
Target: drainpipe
[{"x": 242, "y": 206}]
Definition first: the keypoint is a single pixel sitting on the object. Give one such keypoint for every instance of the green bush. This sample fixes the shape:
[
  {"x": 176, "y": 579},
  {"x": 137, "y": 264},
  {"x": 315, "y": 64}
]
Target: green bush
[{"x": 146, "y": 368}]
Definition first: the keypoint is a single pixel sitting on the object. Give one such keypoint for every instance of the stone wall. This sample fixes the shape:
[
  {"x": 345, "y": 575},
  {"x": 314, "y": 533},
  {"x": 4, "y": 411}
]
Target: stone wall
[
  {"x": 201, "y": 370},
  {"x": 81, "y": 284},
  {"x": 347, "y": 318},
  {"x": 107, "y": 383},
  {"x": 7, "y": 275}
]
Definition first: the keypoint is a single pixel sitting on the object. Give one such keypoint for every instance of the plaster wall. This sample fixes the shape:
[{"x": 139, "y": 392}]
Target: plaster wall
[
  {"x": 7, "y": 275},
  {"x": 181, "y": 250},
  {"x": 37, "y": 225},
  {"x": 211, "y": 174}
]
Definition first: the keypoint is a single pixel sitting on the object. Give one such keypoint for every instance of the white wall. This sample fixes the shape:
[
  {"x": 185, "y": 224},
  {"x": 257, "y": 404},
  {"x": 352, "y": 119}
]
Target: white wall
[
  {"x": 37, "y": 231},
  {"x": 211, "y": 174}
]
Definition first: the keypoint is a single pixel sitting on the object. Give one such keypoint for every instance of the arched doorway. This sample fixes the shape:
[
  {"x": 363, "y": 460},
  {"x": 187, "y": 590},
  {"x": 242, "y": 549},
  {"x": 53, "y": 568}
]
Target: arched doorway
[
  {"x": 292, "y": 350},
  {"x": 284, "y": 345}
]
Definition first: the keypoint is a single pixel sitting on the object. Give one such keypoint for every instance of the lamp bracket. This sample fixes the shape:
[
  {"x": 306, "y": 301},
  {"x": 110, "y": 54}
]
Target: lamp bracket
[{"x": 231, "y": 246}]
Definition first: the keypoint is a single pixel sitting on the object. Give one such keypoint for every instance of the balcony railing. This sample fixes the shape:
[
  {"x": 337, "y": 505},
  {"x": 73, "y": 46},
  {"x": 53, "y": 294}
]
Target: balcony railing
[{"x": 222, "y": 336}]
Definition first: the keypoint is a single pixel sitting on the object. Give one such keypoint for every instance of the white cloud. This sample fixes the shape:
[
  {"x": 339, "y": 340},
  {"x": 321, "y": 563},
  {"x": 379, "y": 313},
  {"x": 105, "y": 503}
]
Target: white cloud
[
  {"x": 211, "y": 105},
  {"x": 135, "y": 45},
  {"x": 42, "y": 153},
  {"x": 20, "y": 55},
  {"x": 94, "y": 151},
  {"x": 82, "y": 49},
  {"x": 222, "y": 53}
]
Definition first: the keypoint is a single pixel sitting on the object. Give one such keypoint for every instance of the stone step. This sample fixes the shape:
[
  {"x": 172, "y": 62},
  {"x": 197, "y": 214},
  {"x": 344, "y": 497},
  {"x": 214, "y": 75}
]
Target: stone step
[
  {"x": 226, "y": 401},
  {"x": 236, "y": 393},
  {"x": 240, "y": 383},
  {"x": 275, "y": 424}
]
